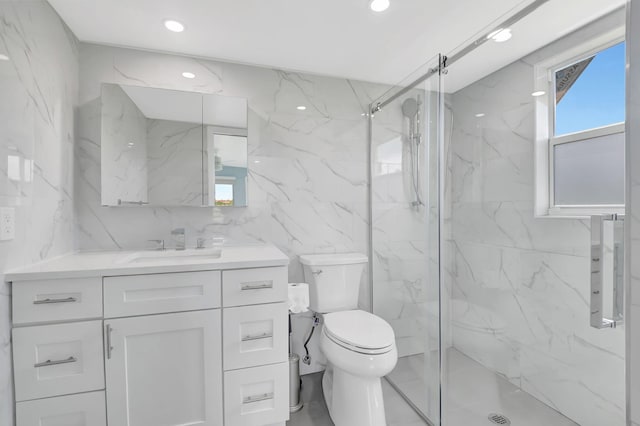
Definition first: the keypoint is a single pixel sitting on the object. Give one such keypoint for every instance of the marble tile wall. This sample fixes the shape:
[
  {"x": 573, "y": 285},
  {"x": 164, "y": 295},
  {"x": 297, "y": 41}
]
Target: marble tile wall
[
  {"x": 520, "y": 282},
  {"x": 632, "y": 217},
  {"x": 308, "y": 189},
  {"x": 39, "y": 85}
]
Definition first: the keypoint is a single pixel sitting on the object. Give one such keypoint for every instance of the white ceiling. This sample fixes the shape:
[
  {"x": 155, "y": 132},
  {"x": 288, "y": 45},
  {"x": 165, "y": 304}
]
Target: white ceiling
[
  {"x": 546, "y": 24},
  {"x": 331, "y": 37}
]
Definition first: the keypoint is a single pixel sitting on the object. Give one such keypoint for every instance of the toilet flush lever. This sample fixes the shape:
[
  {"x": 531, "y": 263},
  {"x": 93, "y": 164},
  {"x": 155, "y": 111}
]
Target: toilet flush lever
[{"x": 318, "y": 272}]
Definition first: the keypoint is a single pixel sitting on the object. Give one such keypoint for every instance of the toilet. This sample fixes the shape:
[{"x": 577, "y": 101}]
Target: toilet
[{"x": 360, "y": 347}]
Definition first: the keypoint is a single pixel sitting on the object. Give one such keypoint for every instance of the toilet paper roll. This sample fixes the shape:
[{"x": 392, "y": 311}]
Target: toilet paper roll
[{"x": 298, "y": 297}]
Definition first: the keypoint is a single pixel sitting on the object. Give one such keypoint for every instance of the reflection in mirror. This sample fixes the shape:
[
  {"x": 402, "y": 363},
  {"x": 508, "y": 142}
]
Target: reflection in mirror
[
  {"x": 156, "y": 146},
  {"x": 227, "y": 158},
  {"x": 225, "y": 147}
]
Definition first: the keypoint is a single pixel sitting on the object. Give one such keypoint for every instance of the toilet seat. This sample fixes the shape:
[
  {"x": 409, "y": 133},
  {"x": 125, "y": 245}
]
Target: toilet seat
[{"x": 359, "y": 331}]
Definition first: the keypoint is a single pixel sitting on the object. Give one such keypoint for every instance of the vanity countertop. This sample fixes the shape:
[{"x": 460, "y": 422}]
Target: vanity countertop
[{"x": 112, "y": 263}]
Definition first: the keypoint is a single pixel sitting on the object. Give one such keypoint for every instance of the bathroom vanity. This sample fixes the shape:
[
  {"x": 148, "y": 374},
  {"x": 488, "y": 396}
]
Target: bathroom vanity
[{"x": 152, "y": 338}]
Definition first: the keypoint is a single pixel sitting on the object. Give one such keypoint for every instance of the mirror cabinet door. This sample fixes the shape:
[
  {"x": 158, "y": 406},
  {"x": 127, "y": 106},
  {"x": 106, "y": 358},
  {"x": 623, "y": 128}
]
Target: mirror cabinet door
[{"x": 170, "y": 148}]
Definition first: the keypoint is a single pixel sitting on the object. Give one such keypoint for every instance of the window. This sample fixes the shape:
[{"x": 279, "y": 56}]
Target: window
[
  {"x": 224, "y": 194},
  {"x": 580, "y": 130}
]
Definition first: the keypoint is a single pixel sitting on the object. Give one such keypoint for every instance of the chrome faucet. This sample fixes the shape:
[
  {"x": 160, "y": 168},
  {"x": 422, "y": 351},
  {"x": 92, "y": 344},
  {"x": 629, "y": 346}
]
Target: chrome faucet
[
  {"x": 200, "y": 243},
  {"x": 178, "y": 238}
]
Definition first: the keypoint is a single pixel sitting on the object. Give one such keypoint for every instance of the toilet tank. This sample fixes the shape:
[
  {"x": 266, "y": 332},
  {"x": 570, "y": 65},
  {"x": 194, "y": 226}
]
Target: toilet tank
[{"x": 334, "y": 280}]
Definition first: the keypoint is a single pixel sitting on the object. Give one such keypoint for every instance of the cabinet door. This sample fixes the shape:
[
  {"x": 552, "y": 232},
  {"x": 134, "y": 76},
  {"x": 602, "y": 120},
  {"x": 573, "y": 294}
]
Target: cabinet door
[{"x": 164, "y": 370}]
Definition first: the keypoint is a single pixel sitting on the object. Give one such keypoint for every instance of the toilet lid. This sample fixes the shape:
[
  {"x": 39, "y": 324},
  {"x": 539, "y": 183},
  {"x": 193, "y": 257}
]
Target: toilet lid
[{"x": 359, "y": 329}]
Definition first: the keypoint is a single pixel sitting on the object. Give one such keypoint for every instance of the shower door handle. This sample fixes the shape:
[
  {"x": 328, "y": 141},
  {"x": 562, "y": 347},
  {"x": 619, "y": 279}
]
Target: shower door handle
[{"x": 599, "y": 271}]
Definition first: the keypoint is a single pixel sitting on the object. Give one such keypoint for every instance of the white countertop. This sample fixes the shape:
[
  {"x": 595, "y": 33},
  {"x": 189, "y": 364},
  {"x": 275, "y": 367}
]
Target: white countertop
[{"x": 111, "y": 263}]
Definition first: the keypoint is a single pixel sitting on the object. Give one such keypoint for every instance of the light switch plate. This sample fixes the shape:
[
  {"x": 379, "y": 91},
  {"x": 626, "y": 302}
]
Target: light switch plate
[{"x": 7, "y": 223}]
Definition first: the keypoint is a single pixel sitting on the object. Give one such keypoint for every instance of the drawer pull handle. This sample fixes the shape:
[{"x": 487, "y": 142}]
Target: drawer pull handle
[
  {"x": 257, "y": 285},
  {"x": 49, "y": 363},
  {"x": 257, "y": 398},
  {"x": 48, "y": 301},
  {"x": 258, "y": 337}
]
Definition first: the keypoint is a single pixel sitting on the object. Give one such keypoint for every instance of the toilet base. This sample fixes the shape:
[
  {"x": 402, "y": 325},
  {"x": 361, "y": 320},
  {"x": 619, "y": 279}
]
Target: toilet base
[{"x": 353, "y": 400}]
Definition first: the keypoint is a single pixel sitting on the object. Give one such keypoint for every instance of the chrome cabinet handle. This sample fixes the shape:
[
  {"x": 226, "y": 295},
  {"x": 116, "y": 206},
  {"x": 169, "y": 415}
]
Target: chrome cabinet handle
[
  {"x": 49, "y": 363},
  {"x": 257, "y": 337},
  {"x": 124, "y": 202},
  {"x": 107, "y": 334},
  {"x": 48, "y": 301},
  {"x": 257, "y": 285},
  {"x": 257, "y": 398}
]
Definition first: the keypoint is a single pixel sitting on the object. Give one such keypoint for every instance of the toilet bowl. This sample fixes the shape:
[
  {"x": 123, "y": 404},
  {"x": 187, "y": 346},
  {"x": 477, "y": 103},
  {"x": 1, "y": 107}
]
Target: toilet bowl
[{"x": 360, "y": 349}]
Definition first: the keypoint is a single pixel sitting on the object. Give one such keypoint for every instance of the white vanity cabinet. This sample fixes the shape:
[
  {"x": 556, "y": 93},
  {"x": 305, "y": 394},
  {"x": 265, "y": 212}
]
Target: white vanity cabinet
[{"x": 140, "y": 347}]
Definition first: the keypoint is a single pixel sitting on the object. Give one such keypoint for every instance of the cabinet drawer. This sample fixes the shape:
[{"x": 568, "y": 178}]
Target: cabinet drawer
[
  {"x": 254, "y": 286},
  {"x": 257, "y": 396},
  {"x": 160, "y": 293},
  {"x": 60, "y": 359},
  {"x": 56, "y": 300},
  {"x": 255, "y": 335},
  {"x": 84, "y": 409}
]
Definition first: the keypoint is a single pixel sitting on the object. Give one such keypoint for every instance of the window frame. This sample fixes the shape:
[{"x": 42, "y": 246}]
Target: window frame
[{"x": 545, "y": 141}]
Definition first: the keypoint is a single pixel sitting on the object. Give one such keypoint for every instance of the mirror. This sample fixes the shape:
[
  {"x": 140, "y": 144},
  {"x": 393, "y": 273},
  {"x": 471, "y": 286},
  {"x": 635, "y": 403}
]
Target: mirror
[{"x": 170, "y": 148}]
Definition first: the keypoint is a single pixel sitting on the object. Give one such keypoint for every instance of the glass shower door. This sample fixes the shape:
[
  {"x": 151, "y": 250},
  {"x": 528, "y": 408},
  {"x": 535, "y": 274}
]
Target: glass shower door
[{"x": 405, "y": 216}]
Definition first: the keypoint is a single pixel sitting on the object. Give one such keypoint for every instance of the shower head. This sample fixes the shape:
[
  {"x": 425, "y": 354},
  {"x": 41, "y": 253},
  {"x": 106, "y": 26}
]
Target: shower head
[{"x": 410, "y": 108}]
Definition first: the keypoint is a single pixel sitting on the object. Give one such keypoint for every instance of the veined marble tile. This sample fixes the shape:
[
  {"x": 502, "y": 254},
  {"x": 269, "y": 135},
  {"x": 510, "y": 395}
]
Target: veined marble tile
[
  {"x": 39, "y": 96},
  {"x": 308, "y": 172}
]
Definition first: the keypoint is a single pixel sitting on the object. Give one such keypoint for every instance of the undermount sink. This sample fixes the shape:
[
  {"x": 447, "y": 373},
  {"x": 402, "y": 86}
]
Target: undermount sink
[{"x": 172, "y": 256}]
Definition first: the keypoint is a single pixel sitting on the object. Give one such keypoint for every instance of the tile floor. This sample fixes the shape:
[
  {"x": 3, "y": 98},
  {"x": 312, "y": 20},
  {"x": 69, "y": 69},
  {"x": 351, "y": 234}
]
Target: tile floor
[
  {"x": 314, "y": 412},
  {"x": 473, "y": 392}
]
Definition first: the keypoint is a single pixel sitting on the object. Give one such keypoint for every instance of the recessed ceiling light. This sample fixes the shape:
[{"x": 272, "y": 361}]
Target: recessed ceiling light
[
  {"x": 3, "y": 57},
  {"x": 256, "y": 161},
  {"x": 379, "y": 5},
  {"x": 301, "y": 107},
  {"x": 187, "y": 74},
  {"x": 500, "y": 35},
  {"x": 538, "y": 93},
  {"x": 175, "y": 26},
  {"x": 480, "y": 114}
]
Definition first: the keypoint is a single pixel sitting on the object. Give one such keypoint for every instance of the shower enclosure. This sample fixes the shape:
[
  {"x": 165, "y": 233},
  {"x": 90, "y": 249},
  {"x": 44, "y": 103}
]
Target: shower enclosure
[
  {"x": 405, "y": 135},
  {"x": 483, "y": 269}
]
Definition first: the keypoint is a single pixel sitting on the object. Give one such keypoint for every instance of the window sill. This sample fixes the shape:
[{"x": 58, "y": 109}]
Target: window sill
[{"x": 576, "y": 214}]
